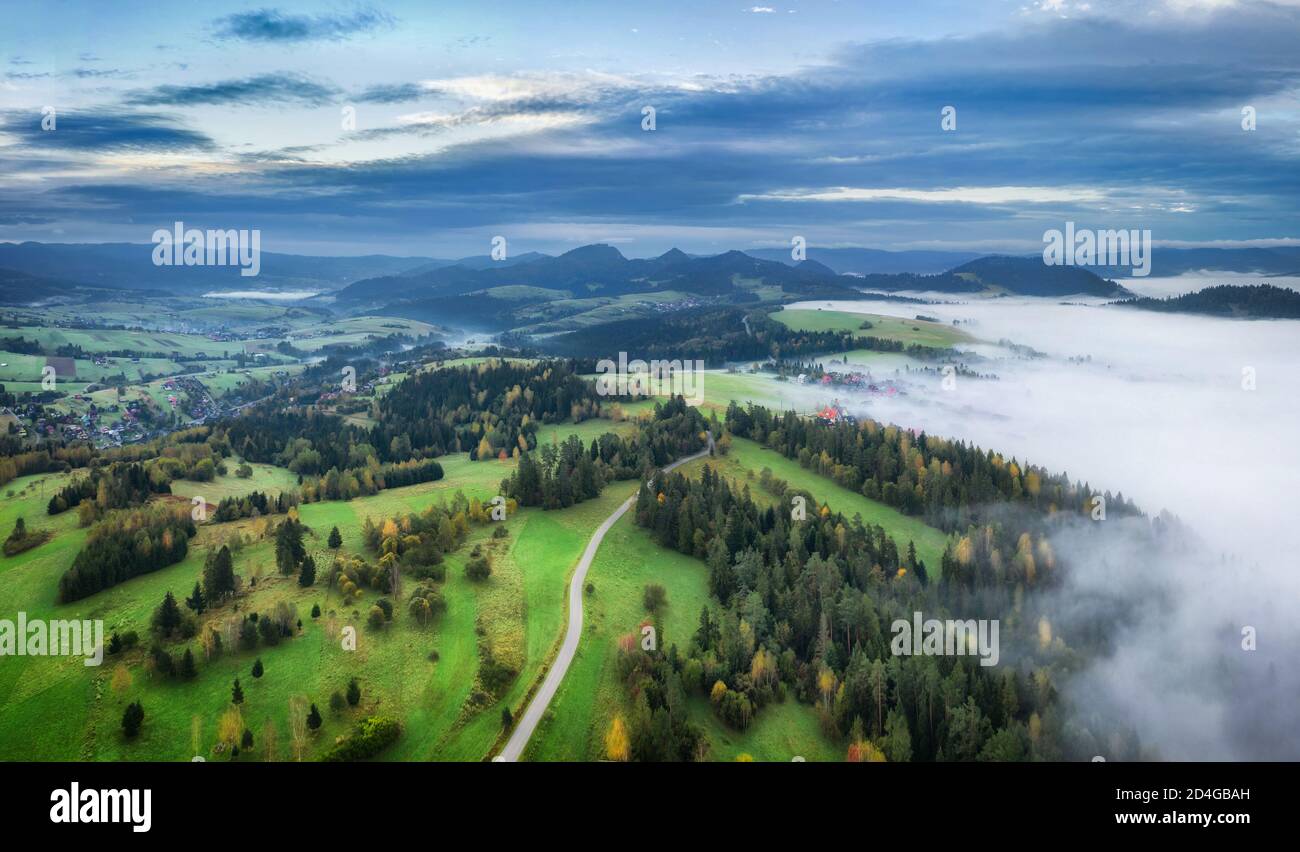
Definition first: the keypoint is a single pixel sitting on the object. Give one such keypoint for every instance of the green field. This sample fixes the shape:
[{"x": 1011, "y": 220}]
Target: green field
[
  {"x": 97, "y": 340},
  {"x": 889, "y": 328},
  {"x": 69, "y": 711}
]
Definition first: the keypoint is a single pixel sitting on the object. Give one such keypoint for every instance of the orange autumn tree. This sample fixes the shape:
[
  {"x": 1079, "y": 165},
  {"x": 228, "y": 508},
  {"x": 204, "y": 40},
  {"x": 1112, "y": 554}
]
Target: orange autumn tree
[{"x": 862, "y": 751}]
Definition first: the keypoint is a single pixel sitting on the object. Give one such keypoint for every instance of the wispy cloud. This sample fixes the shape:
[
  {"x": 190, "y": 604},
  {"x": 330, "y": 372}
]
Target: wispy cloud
[
  {"x": 272, "y": 25},
  {"x": 277, "y": 88},
  {"x": 953, "y": 195}
]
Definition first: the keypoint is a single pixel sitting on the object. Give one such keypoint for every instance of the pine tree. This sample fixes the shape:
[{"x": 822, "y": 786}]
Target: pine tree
[
  {"x": 237, "y": 693},
  {"x": 188, "y": 669},
  {"x": 132, "y": 718},
  {"x": 218, "y": 576},
  {"x": 307, "y": 576},
  {"x": 336, "y": 539},
  {"x": 167, "y": 617},
  {"x": 289, "y": 550},
  {"x": 195, "y": 601},
  {"x": 257, "y": 667}
]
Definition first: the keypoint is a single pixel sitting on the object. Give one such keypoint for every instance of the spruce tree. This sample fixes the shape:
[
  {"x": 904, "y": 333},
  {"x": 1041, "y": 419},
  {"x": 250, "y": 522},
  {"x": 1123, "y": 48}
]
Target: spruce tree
[
  {"x": 188, "y": 670},
  {"x": 336, "y": 539},
  {"x": 354, "y": 692},
  {"x": 313, "y": 718},
  {"x": 237, "y": 693},
  {"x": 132, "y": 718},
  {"x": 307, "y": 576},
  {"x": 167, "y": 617},
  {"x": 195, "y": 601},
  {"x": 257, "y": 668}
]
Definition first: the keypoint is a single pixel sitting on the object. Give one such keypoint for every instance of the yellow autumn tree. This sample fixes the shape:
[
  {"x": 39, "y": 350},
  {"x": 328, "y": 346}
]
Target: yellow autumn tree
[
  {"x": 230, "y": 727},
  {"x": 826, "y": 684},
  {"x": 617, "y": 745},
  {"x": 718, "y": 692}
]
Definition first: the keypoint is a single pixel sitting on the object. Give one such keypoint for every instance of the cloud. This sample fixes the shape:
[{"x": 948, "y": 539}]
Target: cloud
[
  {"x": 278, "y": 88},
  {"x": 96, "y": 131},
  {"x": 393, "y": 93},
  {"x": 1109, "y": 122},
  {"x": 954, "y": 195},
  {"x": 272, "y": 25}
]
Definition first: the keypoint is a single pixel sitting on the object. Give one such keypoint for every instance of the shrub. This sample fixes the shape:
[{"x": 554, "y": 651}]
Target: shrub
[
  {"x": 132, "y": 718},
  {"x": 368, "y": 738},
  {"x": 478, "y": 569}
]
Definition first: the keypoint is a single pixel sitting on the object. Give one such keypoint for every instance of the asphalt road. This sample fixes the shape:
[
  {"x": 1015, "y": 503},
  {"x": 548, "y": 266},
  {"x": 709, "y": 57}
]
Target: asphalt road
[{"x": 542, "y": 699}]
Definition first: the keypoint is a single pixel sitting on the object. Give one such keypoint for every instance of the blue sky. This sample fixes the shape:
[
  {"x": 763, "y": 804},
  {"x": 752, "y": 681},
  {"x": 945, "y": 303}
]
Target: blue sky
[{"x": 820, "y": 119}]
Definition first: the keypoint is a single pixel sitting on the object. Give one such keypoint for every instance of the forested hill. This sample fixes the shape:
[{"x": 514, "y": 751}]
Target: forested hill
[
  {"x": 714, "y": 335},
  {"x": 1257, "y": 301},
  {"x": 1022, "y": 276},
  {"x": 601, "y": 270}
]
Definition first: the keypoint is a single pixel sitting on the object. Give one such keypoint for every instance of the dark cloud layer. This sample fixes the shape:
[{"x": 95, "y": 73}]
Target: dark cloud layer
[{"x": 1142, "y": 115}]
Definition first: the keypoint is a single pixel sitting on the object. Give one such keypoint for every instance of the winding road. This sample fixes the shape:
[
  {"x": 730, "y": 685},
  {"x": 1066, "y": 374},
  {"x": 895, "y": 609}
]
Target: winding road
[{"x": 528, "y": 722}]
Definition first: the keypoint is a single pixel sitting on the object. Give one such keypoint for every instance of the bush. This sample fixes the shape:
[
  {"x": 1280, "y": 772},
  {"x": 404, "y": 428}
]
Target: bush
[
  {"x": 368, "y": 738},
  {"x": 132, "y": 718},
  {"x": 654, "y": 597},
  {"x": 478, "y": 569}
]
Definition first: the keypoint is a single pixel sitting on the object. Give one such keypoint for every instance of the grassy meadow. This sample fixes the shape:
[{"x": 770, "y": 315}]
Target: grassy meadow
[{"x": 889, "y": 328}]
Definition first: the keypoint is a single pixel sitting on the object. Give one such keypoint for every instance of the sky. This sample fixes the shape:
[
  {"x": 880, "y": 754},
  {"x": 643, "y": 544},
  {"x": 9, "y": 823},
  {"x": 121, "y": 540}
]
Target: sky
[{"x": 418, "y": 128}]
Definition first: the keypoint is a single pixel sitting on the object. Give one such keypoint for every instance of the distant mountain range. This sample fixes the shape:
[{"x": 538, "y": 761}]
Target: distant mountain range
[
  {"x": 492, "y": 297},
  {"x": 1022, "y": 276},
  {"x": 130, "y": 265},
  {"x": 419, "y": 286},
  {"x": 865, "y": 261},
  {"x": 1168, "y": 262}
]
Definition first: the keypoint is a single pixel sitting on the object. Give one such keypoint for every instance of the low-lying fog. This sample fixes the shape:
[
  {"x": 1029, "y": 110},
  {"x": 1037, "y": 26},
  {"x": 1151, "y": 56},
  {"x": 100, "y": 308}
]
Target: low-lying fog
[{"x": 1159, "y": 413}]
